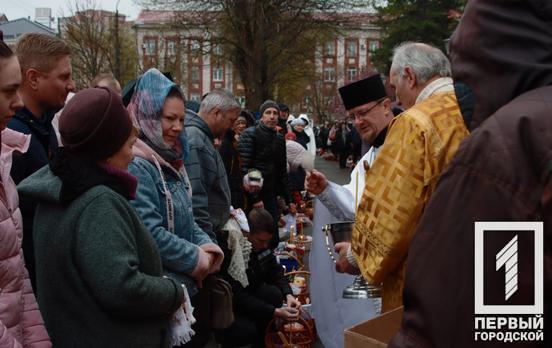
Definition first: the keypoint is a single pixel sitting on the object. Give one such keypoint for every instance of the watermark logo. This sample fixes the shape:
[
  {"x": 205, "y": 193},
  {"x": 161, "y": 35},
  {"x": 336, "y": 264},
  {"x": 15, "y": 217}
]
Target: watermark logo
[
  {"x": 509, "y": 264},
  {"x": 508, "y": 258}
]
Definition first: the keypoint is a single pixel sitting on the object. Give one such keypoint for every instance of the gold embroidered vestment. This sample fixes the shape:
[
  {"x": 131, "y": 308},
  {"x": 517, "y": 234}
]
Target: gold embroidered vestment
[{"x": 419, "y": 145}]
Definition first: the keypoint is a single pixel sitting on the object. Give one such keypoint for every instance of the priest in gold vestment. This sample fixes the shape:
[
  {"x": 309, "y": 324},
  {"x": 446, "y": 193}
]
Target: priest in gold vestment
[{"x": 419, "y": 145}]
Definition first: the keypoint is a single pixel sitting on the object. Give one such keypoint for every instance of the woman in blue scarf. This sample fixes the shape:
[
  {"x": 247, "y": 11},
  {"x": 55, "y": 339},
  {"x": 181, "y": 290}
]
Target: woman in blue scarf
[{"x": 163, "y": 198}]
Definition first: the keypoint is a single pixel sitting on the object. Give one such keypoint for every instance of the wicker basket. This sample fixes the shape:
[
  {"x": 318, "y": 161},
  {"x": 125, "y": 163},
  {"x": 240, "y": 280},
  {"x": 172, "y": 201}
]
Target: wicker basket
[
  {"x": 296, "y": 334},
  {"x": 303, "y": 294}
]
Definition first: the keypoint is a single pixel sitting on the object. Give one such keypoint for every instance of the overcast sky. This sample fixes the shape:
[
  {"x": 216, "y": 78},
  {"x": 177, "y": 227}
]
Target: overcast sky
[{"x": 15, "y": 9}]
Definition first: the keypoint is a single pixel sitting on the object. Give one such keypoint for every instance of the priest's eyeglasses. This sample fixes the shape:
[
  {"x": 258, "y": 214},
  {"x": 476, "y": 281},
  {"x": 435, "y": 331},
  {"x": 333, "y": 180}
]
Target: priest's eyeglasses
[{"x": 363, "y": 113}]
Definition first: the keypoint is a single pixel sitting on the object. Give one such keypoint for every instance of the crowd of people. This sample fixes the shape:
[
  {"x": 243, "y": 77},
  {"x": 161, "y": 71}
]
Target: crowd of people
[
  {"x": 341, "y": 141},
  {"x": 140, "y": 219},
  {"x": 127, "y": 206}
]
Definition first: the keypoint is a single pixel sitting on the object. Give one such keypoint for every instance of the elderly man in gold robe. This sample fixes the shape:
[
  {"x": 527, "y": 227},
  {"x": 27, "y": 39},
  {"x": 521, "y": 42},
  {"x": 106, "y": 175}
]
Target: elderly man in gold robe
[{"x": 418, "y": 147}]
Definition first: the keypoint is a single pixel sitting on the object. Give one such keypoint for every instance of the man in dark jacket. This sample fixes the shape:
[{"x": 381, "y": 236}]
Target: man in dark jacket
[
  {"x": 264, "y": 149},
  {"x": 501, "y": 172},
  {"x": 343, "y": 143},
  {"x": 356, "y": 142},
  {"x": 282, "y": 119},
  {"x": 46, "y": 71},
  {"x": 231, "y": 158},
  {"x": 261, "y": 301},
  {"x": 324, "y": 133}
]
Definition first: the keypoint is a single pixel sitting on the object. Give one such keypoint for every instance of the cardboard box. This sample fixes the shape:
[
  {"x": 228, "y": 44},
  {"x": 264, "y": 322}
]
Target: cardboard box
[{"x": 376, "y": 332}]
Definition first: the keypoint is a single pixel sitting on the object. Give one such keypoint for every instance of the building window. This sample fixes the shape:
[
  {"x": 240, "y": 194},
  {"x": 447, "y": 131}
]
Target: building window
[
  {"x": 195, "y": 74},
  {"x": 150, "y": 47},
  {"x": 217, "y": 50},
  {"x": 195, "y": 97},
  {"x": 374, "y": 45},
  {"x": 329, "y": 74},
  {"x": 351, "y": 74},
  {"x": 217, "y": 73},
  {"x": 329, "y": 49},
  {"x": 195, "y": 46},
  {"x": 351, "y": 48},
  {"x": 171, "y": 48}
]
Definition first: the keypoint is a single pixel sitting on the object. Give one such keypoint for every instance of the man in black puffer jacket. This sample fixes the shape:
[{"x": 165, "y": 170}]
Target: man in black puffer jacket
[{"x": 262, "y": 148}]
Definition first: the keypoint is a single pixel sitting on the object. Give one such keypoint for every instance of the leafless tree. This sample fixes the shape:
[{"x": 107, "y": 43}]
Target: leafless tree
[
  {"x": 90, "y": 33},
  {"x": 269, "y": 42}
]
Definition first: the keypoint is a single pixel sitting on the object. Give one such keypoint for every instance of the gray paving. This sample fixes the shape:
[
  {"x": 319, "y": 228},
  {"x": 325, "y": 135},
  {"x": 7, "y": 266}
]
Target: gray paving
[{"x": 332, "y": 171}]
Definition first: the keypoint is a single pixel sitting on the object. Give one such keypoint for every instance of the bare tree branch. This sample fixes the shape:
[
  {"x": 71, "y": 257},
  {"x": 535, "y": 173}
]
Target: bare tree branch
[
  {"x": 89, "y": 32},
  {"x": 267, "y": 41}
]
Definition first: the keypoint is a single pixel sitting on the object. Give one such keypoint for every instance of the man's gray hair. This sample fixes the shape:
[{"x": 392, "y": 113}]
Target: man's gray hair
[
  {"x": 218, "y": 98},
  {"x": 426, "y": 61}
]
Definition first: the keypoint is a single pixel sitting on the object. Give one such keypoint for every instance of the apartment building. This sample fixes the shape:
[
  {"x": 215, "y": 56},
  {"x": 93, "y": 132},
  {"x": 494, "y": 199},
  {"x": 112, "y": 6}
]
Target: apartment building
[{"x": 198, "y": 68}]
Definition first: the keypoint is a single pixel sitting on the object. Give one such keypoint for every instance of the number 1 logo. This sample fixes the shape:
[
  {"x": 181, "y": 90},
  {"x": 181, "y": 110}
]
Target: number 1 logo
[{"x": 508, "y": 258}]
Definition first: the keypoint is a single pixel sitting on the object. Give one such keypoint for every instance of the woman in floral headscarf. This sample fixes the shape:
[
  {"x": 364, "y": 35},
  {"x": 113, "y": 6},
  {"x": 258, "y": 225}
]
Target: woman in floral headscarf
[{"x": 163, "y": 198}]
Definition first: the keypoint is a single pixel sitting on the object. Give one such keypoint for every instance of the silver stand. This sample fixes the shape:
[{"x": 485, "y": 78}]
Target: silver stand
[{"x": 360, "y": 289}]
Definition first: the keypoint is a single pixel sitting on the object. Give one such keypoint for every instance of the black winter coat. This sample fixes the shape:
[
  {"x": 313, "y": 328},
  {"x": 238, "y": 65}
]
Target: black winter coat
[
  {"x": 283, "y": 126},
  {"x": 343, "y": 145},
  {"x": 43, "y": 143},
  {"x": 264, "y": 149},
  {"x": 232, "y": 162}
]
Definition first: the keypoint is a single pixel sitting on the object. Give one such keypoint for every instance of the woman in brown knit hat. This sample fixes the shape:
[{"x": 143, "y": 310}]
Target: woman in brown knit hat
[{"x": 99, "y": 273}]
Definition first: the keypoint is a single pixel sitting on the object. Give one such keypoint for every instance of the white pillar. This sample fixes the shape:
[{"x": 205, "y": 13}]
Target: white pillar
[{"x": 340, "y": 62}]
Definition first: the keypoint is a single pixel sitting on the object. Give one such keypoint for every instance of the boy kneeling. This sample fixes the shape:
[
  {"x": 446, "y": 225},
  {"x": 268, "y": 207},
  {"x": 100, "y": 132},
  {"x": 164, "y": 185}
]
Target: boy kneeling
[{"x": 259, "y": 302}]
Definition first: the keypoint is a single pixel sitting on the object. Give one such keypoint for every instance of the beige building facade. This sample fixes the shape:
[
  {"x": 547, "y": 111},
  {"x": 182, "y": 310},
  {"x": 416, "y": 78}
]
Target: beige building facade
[{"x": 198, "y": 68}]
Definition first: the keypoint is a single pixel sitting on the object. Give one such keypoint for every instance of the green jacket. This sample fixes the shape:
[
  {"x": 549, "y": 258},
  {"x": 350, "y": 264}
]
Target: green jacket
[{"x": 99, "y": 274}]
